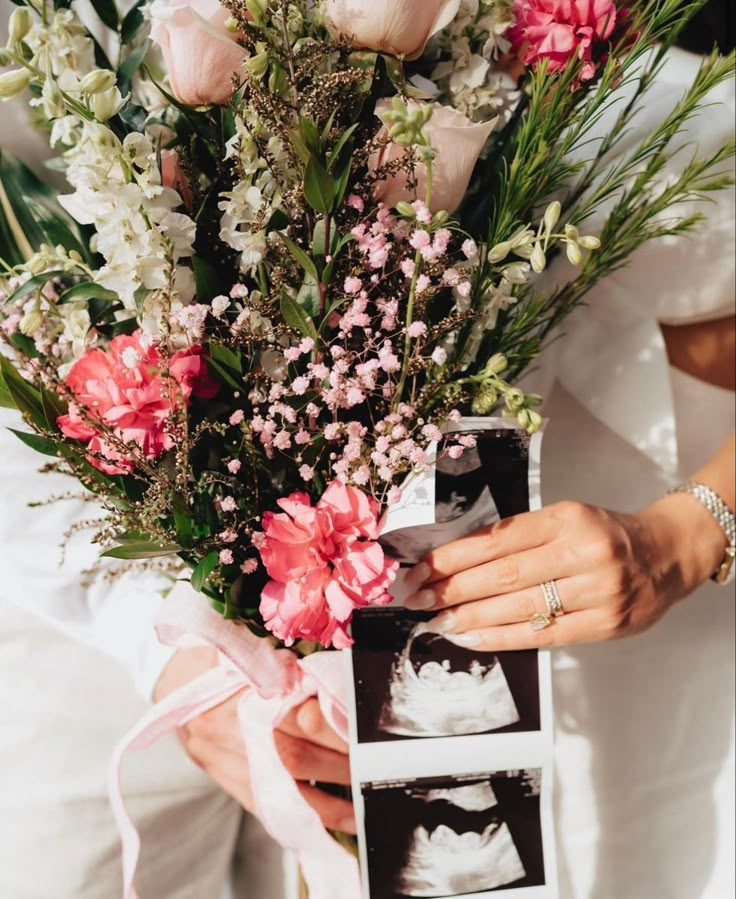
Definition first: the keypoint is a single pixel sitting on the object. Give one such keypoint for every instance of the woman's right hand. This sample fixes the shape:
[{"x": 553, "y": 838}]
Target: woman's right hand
[{"x": 311, "y": 751}]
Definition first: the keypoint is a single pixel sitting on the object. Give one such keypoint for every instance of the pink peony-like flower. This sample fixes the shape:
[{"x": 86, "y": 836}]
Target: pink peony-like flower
[
  {"x": 560, "y": 29},
  {"x": 126, "y": 389},
  {"x": 325, "y": 562}
]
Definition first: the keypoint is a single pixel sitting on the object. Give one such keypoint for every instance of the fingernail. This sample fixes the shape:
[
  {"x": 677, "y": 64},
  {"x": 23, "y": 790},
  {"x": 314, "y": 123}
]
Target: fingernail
[
  {"x": 348, "y": 826},
  {"x": 425, "y": 599},
  {"x": 442, "y": 624},
  {"x": 468, "y": 640},
  {"x": 418, "y": 575}
]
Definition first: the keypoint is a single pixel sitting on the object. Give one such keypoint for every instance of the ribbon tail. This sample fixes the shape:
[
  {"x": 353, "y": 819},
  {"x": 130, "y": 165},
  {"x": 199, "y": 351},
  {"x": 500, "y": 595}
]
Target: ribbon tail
[
  {"x": 194, "y": 699},
  {"x": 330, "y": 871}
]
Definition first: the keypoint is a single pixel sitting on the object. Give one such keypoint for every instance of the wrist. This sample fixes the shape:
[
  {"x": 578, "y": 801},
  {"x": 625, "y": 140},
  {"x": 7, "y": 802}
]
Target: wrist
[{"x": 687, "y": 543}]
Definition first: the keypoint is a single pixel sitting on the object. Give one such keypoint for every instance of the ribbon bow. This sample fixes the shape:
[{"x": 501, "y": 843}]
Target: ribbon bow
[{"x": 278, "y": 681}]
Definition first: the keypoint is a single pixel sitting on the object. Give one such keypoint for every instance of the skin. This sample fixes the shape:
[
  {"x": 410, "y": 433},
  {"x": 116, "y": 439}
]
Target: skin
[
  {"x": 309, "y": 748},
  {"x": 617, "y": 575}
]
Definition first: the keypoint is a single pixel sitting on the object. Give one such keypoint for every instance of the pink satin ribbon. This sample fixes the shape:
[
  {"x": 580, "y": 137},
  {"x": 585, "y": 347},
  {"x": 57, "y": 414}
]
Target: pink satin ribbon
[{"x": 278, "y": 681}]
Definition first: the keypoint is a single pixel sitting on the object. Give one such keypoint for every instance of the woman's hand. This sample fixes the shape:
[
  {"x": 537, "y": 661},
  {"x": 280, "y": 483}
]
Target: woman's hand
[
  {"x": 616, "y": 574},
  {"x": 309, "y": 748}
]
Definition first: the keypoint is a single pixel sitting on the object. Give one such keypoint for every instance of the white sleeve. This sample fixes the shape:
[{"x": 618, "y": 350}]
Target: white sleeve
[{"x": 114, "y": 614}]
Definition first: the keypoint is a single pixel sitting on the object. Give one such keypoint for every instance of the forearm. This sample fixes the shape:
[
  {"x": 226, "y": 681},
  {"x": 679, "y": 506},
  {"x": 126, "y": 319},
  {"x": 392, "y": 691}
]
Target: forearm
[{"x": 688, "y": 542}]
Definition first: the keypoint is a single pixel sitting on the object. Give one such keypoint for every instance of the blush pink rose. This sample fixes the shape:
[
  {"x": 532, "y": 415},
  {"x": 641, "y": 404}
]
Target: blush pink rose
[
  {"x": 457, "y": 143},
  {"x": 389, "y": 26},
  {"x": 124, "y": 391},
  {"x": 557, "y": 30},
  {"x": 201, "y": 56},
  {"x": 173, "y": 176},
  {"x": 325, "y": 562}
]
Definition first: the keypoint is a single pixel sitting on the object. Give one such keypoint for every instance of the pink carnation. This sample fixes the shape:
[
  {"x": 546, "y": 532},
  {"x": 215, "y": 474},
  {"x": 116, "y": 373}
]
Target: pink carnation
[
  {"x": 560, "y": 29},
  {"x": 126, "y": 389},
  {"x": 324, "y": 562}
]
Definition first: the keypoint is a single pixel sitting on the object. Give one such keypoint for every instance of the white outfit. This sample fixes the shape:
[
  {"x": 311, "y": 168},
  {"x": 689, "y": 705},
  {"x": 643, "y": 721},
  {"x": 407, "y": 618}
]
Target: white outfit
[{"x": 644, "y": 726}]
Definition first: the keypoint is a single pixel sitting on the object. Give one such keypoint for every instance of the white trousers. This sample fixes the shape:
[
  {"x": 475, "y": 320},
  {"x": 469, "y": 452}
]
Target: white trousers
[{"x": 64, "y": 707}]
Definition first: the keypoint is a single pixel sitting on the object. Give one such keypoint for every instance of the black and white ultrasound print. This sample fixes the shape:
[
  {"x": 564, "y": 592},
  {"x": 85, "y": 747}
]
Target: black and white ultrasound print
[
  {"x": 412, "y": 683},
  {"x": 445, "y": 837},
  {"x": 427, "y": 713}
]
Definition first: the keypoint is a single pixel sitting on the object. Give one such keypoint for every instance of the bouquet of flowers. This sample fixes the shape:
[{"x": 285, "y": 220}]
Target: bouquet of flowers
[{"x": 302, "y": 240}]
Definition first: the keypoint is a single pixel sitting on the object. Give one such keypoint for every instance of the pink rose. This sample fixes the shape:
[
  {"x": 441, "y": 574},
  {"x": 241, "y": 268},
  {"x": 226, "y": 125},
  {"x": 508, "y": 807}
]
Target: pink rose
[
  {"x": 390, "y": 26},
  {"x": 173, "y": 176},
  {"x": 324, "y": 562},
  {"x": 124, "y": 390},
  {"x": 560, "y": 29},
  {"x": 457, "y": 143},
  {"x": 201, "y": 56}
]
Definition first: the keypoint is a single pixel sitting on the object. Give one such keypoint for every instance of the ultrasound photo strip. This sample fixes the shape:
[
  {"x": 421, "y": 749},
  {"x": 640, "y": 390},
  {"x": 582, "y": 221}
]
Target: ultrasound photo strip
[{"x": 428, "y": 715}]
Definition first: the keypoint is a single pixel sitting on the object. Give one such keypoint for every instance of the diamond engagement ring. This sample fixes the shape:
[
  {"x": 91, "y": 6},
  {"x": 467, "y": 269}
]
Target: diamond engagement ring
[{"x": 552, "y": 599}]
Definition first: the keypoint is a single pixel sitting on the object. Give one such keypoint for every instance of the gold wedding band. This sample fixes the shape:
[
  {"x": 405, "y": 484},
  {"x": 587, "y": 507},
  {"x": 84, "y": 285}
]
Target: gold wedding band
[{"x": 552, "y": 599}]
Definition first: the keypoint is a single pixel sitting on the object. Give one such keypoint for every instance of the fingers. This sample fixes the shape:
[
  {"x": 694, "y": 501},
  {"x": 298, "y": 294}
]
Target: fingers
[
  {"x": 307, "y": 761},
  {"x": 510, "y": 574},
  {"x": 580, "y": 627},
  {"x": 510, "y": 608},
  {"x": 336, "y": 813},
  {"x": 512, "y": 535},
  {"x": 308, "y": 723},
  {"x": 230, "y": 771}
]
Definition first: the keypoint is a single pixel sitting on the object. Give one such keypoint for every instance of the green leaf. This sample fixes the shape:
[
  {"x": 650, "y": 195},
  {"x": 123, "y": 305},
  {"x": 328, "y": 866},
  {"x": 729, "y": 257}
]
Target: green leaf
[
  {"x": 132, "y": 63},
  {"x": 53, "y": 407},
  {"x": 319, "y": 188},
  {"x": 83, "y": 293},
  {"x": 340, "y": 146},
  {"x": 6, "y": 400},
  {"x": 304, "y": 260},
  {"x": 132, "y": 22},
  {"x": 30, "y": 215},
  {"x": 203, "y": 571},
  {"x": 208, "y": 280},
  {"x": 107, "y": 12},
  {"x": 223, "y": 374},
  {"x": 33, "y": 284},
  {"x": 225, "y": 356},
  {"x": 134, "y": 551},
  {"x": 43, "y": 445},
  {"x": 24, "y": 395},
  {"x": 296, "y": 317},
  {"x": 308, "y": 297}
]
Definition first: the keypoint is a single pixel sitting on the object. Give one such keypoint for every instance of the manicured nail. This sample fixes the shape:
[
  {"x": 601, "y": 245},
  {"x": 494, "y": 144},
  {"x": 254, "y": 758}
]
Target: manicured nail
[
  {"x": 469, "y": 640},
  {"x": 442, "y": 624},
  {"x": 418, "y": 575},
  {"x": 425, "y": 599}
]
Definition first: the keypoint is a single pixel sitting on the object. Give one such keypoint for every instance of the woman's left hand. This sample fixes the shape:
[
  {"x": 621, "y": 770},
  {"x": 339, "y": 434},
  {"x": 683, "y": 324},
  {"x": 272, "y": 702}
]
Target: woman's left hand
[{"x": 616, "y": 574}]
